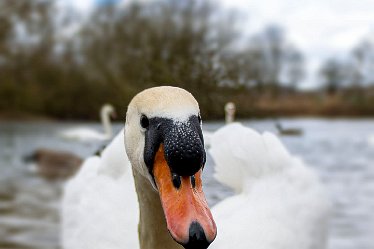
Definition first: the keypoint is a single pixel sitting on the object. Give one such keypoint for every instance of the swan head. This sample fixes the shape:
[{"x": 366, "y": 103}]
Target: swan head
[
  {"x": 108, "y": 110},
  {"x": 164, "y": 142}
]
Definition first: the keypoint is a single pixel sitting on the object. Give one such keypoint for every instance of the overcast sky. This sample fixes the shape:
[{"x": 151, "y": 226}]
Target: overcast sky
[{"x": 319, "y": 28}]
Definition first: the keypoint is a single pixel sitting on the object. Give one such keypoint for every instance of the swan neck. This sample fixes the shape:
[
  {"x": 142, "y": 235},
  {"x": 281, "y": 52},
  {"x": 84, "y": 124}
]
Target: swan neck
[
  {"x": 153, "y": 233},
  {"x": 105, "y": 121},
  {"x": 229, "y": 116}
]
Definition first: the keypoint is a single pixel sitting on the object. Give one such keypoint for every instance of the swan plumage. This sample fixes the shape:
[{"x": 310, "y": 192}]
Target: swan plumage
[
  {"x": 100, "y": 207},
  {"x": 85, "y": 134},
  {"x": 371, "y": 140},
  {"x": 279, "y": 201}
]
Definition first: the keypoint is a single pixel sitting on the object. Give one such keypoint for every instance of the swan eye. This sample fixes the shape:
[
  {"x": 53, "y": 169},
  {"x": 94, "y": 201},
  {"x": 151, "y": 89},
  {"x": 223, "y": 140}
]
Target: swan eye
[{"x": 144, "y": 122}]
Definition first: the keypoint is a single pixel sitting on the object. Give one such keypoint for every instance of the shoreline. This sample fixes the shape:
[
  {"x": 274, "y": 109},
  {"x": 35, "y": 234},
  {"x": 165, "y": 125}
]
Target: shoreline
[{"x": 31, "y": 118}]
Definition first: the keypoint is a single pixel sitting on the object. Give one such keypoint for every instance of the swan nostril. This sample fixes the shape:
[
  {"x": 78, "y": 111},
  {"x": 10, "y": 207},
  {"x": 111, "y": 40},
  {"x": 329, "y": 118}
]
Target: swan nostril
[
  {"x": 176, "y": 180},
  {"x": 193, "y": 181}
]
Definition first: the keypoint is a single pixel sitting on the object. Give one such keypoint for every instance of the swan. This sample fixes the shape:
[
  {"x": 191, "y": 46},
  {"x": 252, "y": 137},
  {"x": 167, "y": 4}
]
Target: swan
[
  {"x": 279, "y": 201},
  {"x": 87, "y": 134},
  {"x": 52, "y": 164},
  {"x": 164, "y": 145},
  {"x": 145, "y": 201},
  {"x": 287, "y": 131},
  {"x": 229, "y": 109}
]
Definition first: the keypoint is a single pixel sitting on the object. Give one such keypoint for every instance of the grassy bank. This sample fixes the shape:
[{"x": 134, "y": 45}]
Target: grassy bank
[{"x": 249, "y": 105}]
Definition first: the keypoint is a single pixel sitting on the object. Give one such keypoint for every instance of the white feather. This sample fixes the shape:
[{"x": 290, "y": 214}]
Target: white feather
[
  {"x": 100, "y": 207},
  {"x": 280, "y": 203},
  {"x": 371, "y": 140}
]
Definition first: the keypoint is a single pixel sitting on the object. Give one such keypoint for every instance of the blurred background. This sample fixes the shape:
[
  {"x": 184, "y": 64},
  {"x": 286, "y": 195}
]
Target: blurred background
[{"x": 301, "y": 69}]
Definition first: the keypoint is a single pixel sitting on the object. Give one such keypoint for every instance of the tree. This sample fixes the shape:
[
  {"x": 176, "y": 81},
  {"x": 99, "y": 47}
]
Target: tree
[
  {"x": 333, "y": 75},
  {"x": 293, "y": 68}
]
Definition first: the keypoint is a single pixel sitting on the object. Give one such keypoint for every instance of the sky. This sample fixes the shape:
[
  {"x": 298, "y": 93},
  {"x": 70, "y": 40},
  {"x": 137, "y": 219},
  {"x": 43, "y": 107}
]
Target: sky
[{"x": 319, "y": 28}]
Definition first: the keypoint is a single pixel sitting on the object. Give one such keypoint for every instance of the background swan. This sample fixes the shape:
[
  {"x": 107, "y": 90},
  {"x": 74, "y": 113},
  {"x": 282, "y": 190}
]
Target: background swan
[
  {"x": 86, "y": 134},
  {"x": 279, "y": 201},
  {"x": 230, "y": 110}
]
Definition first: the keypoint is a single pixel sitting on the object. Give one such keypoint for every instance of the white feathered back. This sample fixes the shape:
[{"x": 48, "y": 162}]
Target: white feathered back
[
  {"x": 100, "y": 206},
  {"x": 114, "y": 161},
  {"x": 242, "y": 156},
  {"x": 280, "y": 202}
]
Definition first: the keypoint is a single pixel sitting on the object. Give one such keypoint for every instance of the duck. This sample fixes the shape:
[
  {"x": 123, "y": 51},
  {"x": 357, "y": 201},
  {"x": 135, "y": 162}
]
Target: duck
[
  {"x": 85, "y": 134},
  {"x": 279, "y": 202},
  {"x": 54, "y": 164},
  {"x": 154, "y": 197},
  {"x": 287, "y": 131}
]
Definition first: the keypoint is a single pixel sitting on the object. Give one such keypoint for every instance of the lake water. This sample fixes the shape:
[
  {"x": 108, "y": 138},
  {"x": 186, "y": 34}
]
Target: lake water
[{"x": 337, "y": 149}]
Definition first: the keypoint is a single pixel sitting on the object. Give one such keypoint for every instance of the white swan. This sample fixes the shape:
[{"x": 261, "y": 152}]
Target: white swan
[
  {"x": 230, "y": 110},
  {"x": 279, "y": 204},
  {"x": 163, "y": 140},
  {"x": 87, "y": 134}
]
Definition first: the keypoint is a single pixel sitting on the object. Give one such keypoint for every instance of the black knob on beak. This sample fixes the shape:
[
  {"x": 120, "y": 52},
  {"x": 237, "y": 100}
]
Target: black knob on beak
[
  {"x": 183, "y": 144},
  {"x": 184, "y": 149}
]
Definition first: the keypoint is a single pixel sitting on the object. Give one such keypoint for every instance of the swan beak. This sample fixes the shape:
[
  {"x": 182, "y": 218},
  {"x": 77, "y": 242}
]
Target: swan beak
[{"x": 187, "y": 214}]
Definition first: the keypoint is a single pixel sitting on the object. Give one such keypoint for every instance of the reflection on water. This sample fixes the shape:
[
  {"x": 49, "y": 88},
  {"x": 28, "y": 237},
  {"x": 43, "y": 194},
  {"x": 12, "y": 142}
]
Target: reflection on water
[{"x": 337, "y": 149}]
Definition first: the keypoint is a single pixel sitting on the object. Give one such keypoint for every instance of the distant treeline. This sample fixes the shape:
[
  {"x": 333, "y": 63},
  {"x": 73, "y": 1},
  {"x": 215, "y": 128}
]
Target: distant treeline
[{"x": 56, "y": 63}]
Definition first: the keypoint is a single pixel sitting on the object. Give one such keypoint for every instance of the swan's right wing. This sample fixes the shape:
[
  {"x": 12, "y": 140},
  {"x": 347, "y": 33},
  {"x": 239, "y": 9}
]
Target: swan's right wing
[{"x": 100, "y": 206}]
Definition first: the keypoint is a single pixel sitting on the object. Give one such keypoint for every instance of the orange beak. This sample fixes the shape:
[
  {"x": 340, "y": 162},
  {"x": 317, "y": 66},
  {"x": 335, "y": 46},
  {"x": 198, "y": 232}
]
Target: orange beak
[{"x": 187, "y": 214}]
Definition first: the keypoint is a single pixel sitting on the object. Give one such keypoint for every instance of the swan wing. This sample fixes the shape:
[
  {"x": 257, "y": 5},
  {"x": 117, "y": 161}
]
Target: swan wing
[
  {"x": 280, "y": 202},
  {"x": 371, "y": 140},
  {"x": 82, "y": 134},
  {"x": 99, "y": 206}
]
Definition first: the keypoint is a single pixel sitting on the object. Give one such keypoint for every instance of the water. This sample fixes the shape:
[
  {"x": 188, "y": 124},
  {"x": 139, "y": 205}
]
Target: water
[{"x": 337, "y": 149}]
